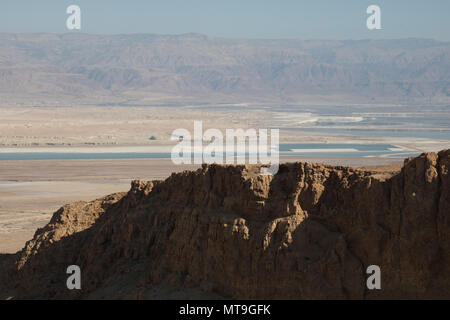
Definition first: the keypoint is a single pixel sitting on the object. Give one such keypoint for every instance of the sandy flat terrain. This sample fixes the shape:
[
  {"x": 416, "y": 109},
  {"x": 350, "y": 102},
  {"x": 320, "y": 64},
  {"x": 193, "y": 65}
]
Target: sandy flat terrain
[
  {"x": 135, "y": 128},
  {"x": 25, "y": 206},
  {"x": 111, "y": 126},
  {"x": 30, "y": 191}
]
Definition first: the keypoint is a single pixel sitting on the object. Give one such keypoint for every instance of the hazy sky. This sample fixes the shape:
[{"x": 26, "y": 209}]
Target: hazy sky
[{"x": 314, "y": 19}]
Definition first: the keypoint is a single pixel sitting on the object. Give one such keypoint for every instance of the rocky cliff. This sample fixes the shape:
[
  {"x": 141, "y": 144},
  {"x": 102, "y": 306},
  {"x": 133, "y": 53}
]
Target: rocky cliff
[{"x": 308, "y": 232}]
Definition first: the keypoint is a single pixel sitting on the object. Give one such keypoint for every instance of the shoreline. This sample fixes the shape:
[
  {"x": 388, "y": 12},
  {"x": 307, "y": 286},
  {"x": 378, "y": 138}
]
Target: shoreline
[
  {"x": 69, "y": 150},
  {"x": 286, "y": 150}
]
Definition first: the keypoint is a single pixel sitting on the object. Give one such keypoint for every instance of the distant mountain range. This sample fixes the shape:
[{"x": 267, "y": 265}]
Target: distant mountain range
[{"x": 48, "y": 69}]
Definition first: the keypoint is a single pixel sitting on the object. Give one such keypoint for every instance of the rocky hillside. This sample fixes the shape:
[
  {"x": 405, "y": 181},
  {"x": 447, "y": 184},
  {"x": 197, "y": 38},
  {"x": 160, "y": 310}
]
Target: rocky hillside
[
  {"x": 224, "y": 231},
  {"x": 52, "y": 69}
]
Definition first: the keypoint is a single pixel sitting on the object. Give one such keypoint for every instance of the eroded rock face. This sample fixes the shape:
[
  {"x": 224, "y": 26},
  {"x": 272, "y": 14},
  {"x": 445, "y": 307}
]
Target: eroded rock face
[{"x": 308, "y": 232}]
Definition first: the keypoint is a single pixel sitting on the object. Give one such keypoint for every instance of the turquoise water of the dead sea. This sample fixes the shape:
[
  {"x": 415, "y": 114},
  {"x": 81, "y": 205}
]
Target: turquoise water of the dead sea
[{"x": 322, "y": 150}]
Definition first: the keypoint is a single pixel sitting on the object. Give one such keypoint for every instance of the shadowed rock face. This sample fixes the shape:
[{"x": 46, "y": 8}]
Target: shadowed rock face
[{"x": 308, "y": 232}]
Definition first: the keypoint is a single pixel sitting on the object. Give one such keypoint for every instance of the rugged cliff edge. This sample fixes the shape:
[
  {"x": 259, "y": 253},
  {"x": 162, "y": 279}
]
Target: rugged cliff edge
[{"x": 224, "y": 231}]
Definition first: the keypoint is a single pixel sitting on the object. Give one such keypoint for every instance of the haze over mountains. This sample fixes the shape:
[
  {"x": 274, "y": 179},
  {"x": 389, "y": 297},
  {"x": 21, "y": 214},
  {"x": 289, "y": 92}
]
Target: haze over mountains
[{"x": 52, "y": 69}]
